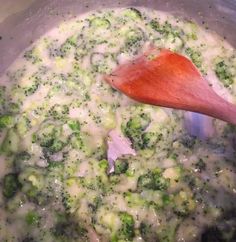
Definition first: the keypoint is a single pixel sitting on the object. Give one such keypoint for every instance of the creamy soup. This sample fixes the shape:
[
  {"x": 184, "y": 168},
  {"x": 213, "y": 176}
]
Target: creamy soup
[{"x": 58, "y": 181}]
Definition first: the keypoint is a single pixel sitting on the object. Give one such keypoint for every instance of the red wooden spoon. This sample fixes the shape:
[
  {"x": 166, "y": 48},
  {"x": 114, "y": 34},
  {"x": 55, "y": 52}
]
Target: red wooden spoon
[{"x": 168, "y": 79}]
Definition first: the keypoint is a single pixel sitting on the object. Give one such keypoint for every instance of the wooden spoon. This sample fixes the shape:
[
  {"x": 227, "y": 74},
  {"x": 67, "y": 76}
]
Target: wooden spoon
[{"x": 165, "y": 78}]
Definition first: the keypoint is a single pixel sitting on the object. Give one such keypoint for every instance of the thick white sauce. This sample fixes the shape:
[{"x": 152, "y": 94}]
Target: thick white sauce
[{"x": 177, "y": 187}]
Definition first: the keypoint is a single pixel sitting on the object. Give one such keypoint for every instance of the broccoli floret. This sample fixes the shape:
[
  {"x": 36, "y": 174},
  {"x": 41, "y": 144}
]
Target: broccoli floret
[
  {"x": 134, "y": 199},
  {"x": 67, "y": 45},
  {"x": 133, "y": 39},
  {"x": 56, "y": 146},
  {"x": 23, "y": 125},
  {"x": 32, "y": 218},
  {"x": 35, "y": 81},
  {"x": 195, "y": 56},
  {"x": 21, "y": 160},
  {"x": 10, "y": 185},
  {"x": 155, "y": 25},
  {"x": 32, "y": 56},
  {"x": 165, "y": 29},
  {"x": 104, "y": 165},
  {"x": 45, "y": 135},
  {"x": 13, "y": 108},
  {"x": 6, "y": 121},
  {"x": 150, "y": 139},
  {"x": 32, "y": 89},
  {"x": 183, "y": 204},
  {"x": 223, "y": 73},
  {"x": 121, "y": 166},
  {"x": 80, "y": 141},
  {"x": 132, "y": 13},
  {"x": 134, "y": 129},
  {"x": 10, "y": 143},
  {"x": 74, "y": 125},
  {"x": 100, "y": 62},
  {"x": 153, "y": 180},
  {"x": 126, "y": 232},
  {"x": 171, "y": 34},
  {"x": 48, "y": 137},
  {"x": 59, "y": 111},
  {"x": 99, "y": 22},
  {"x": 33, "y": 184}
]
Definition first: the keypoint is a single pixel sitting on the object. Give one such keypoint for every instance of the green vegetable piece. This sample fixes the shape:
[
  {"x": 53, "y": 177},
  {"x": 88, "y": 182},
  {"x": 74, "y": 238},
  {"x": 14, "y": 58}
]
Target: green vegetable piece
[
  {"x": 76, "y": 141},
  {"x": 23, "y": 125},
  {"x": 134, "y": 38},
  {"x": 99, "y": 22},
  {"x": 155, "y": 25},
  {"x": 223, "y": 73},
  {"x": 56, "y": 146},
  {"x": 47, "y": 134},
  {"x": 153, "y": 180},
  {"x": 134, "y": 199},
  {"x": 10, "y": 185},
  {"x": 34, "y": 185},
  {"x": 121, "y": 166},
  {"x": 10, "y": 143},
  {"x": 150, "y": 139},
  {"x": 126, "y": 232},
  {"x": 195, "y": 56},
  {"x": 32, "y": 56},
  {"x": 32, "y": 89},
  {"x": 21, "y": 160},
  {"x": 165, "y": 29},
  {"x": 59, "y": 111},
  {"x": 103, "y": 164},
  {"x": 133, "y": 13},
  {"x": 6, "y": 121},
  {"x": 67, "y": 45},
  {"x": 183, "y": 204},
  {"x": 32, "y": 218},
  {"x": 134, "y": 129},
  {"x": 74, "y": 125},
  {"x": 80, "y": 141},
  {"x": 13, "y": 108}
]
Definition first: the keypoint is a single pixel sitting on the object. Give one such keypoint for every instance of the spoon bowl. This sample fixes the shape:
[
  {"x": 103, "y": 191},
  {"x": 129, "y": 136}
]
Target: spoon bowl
[{"x": 168, "y": 79}]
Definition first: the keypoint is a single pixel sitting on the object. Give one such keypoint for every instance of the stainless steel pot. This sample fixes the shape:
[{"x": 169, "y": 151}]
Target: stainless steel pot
[{"x": 23, "y": 21}]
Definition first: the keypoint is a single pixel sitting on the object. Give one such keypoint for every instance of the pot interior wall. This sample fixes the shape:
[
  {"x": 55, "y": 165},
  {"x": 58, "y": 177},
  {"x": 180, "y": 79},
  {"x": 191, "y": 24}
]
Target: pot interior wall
[{"x": 20, "y": 29}]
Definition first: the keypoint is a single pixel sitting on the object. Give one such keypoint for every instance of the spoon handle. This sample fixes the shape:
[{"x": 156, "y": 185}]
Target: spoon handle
[
  {"x": 213, "y": 105},
  {"x": 223, "y": 110}
]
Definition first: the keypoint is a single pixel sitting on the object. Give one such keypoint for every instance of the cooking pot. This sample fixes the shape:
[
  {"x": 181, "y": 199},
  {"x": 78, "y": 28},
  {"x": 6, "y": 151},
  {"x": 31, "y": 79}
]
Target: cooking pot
[{"x": 24, "y": 21}]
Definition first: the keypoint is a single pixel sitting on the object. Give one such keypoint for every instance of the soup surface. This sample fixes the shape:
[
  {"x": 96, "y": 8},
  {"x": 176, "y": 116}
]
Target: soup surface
[{"x": 61, "y": 124}]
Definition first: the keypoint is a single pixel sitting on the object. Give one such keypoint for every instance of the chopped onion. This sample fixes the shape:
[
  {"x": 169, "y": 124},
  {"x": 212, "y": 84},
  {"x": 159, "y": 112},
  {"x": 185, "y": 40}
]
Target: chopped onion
[{"x": 118, "y": 145}]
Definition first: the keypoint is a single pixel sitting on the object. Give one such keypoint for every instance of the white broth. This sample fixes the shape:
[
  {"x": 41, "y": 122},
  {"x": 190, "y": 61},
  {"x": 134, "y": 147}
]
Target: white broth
[{"x": 55, "y": 117}]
